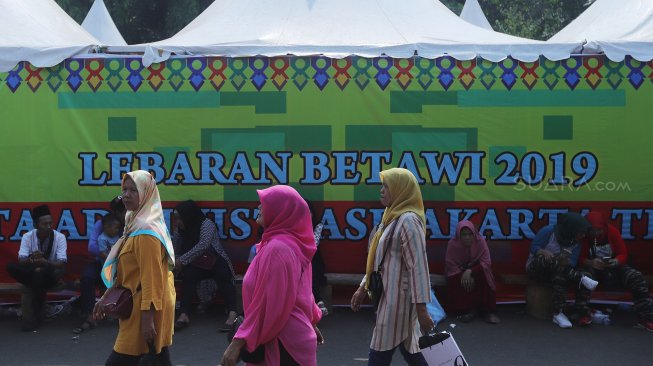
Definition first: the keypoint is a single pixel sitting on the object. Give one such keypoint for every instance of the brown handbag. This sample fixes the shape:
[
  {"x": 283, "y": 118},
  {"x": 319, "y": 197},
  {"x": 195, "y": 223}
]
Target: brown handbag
[{"x": 117, "y": 302}]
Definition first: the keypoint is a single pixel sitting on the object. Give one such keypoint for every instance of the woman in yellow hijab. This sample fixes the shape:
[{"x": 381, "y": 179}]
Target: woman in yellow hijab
[{"x": 398, "y": 247}]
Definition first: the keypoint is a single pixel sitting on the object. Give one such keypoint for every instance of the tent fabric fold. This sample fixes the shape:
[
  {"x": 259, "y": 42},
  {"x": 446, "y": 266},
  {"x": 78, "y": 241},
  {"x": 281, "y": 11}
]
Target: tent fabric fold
[
  {"x": 341, "y": 28},
  {"x": 616, "y": 28},
  {"x": 40, "y": 32},
  {"x": 98, "y": 23}
]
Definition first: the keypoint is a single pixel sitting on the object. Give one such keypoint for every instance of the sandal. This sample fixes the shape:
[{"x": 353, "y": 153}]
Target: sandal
[
  {"x": 466, "y": 318},
  {"x": 86, "y": 325},
  {"x": 182, "y": 323}
]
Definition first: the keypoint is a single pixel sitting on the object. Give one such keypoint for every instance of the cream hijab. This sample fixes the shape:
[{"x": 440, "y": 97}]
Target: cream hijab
[
  {"x": 406, "y": 197},
  {"x": 146, "y": 220}
]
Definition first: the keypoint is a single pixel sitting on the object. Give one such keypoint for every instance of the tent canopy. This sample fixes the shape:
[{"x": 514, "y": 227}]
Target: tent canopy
[
  {"x": 473, "y": 13},
  {"x": 40, "y": 32},
  {"x": 617, "y": 28},
  {"x": 98, "y": 23},
  {"x": 340, "y": 28}
]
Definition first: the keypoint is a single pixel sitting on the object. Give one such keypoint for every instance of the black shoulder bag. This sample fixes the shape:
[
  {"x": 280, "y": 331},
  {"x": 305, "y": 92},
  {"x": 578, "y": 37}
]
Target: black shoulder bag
[{"x": 375, "y": 288}]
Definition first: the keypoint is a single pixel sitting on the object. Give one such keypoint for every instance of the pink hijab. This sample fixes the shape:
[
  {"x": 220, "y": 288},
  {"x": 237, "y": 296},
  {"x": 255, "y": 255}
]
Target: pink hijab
[
  {"x": 459, "y": 255},
  {"x": 277, "y": 297}
]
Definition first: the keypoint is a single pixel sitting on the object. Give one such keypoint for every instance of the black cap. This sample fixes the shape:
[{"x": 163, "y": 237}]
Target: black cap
[{"x": 40, "y": 211}]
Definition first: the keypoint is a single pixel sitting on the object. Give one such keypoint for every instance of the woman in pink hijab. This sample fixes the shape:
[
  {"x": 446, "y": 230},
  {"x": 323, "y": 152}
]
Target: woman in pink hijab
[
  {"x": 280, "y": 312},
  {"x": 470, "y": 283}
]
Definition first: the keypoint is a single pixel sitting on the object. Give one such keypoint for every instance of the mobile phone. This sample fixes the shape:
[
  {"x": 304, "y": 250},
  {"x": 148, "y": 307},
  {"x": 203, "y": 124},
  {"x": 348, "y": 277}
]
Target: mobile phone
[{"x": 606, "y": 259}]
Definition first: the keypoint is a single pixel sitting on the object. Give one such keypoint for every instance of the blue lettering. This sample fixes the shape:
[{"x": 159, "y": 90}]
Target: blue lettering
[
  {"x": 91, "y": 216},
  {"x": 433, "y": 225},
  {"x": 454, "y": 218},
  {"x": 210, "y": 165},
  {"x": 181, "y": 167},
  {"x": 490, "y": 222},
  {"x": 218, "y": 218},
  {"x": 24, "y": 225},
  {"x": 121, "y": 163},
  {"x": 407, "y": 161},
  {"x": 627, "y": 220},
  {"x": 153, "y": 163},
  {"x": 354, "y": 219},
  {"x": 316, "y": 170},
  {"x": 67, "y": 223},
  {"x": 238, "y": 217},
  {"x": 3, "y": 214},
  {"x": 649, "y": 227},
  {"x": 88, "y": 165},
  {"x": 520, "y": 229},
  {"x": 376, "y": 164},
  {"x": 551, "y": 214},
  {"x": 346, "y": 173},
  {"x": 241, "y": 167},
  {"x": 268, "y": 164},
  {"x": 330, "y": 224},
  {"x": 446, "y": 166}
]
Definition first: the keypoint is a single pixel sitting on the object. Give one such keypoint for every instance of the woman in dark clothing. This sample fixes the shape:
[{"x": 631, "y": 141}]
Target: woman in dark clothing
[
  {"x": 319, "y": 268},
  {"x": 200, "y": 255}
]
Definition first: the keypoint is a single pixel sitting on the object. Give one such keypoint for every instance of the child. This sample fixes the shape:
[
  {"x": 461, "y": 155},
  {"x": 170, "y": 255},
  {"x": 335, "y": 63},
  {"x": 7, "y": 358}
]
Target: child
[{"x": 110, "y": 234}]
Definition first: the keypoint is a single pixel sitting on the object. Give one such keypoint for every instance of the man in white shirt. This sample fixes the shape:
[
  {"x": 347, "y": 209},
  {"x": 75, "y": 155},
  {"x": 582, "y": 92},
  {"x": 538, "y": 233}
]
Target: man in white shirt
[{"x": 41, "y": 263}]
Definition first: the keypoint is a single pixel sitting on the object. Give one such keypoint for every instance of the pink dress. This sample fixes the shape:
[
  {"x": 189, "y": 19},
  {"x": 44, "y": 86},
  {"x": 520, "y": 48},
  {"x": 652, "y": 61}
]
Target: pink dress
[{"x": 277, "y": 297}]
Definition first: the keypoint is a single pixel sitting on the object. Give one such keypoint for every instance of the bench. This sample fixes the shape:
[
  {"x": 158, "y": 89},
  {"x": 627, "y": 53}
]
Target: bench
[
  {"x": 354, "y": 279},
  {"x": 539, "y": 300}
]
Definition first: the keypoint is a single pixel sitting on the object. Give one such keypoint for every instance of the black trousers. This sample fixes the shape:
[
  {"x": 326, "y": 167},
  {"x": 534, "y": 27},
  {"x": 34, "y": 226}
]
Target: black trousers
[
  {"x": 119, "y": 359},
  {"x": 220, "y": 272},
  {"x": 37, "y": 279}
]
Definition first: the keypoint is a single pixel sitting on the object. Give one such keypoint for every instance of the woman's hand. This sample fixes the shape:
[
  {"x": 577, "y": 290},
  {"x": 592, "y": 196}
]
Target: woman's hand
[
  {"x": 424, "y": 319},
  {"x": 232, "y": 353},
  {"x": 98, "y": 312},
  {"x": 148, "y": 330},
  {"x": 467, "y": 281},
  {"x": 320, "y": 338},
  {"x": 358, "y": 298}
]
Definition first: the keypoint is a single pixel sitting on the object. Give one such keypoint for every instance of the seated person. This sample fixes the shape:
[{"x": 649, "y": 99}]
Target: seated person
[
  {"x": 604, "y": 255},
  {"x": 108, "y": 228},
  {"x": 319, "y": 279},
  {"x": 470, "y": 282},
  {"x": 553, "y": 259},
  {"x": 41, "y": 264},
  {"x": 200, "y": 255}
]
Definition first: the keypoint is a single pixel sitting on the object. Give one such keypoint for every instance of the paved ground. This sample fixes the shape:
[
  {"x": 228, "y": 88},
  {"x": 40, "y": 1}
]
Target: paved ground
[{"x": 518, "y": 340}]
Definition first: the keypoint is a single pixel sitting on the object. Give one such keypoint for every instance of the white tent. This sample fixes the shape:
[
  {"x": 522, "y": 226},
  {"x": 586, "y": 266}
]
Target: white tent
[
  {"x": 617, "y": 28},
  {"x": 98, "y": 23},
  {"x": 339, "y": 28},
  {"x": 473, "y": 13},
  {"x": 40, "y": 32}
]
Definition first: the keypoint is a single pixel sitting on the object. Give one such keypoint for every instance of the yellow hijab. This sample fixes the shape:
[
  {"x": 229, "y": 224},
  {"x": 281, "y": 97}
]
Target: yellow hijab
[{"x": 406, "y": 197}]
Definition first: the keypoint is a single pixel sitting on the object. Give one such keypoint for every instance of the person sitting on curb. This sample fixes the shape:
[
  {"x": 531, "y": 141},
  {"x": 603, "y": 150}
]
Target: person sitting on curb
[
  {"x": 604, "y": 254},
  {"x": 553, "y": 259},
  {"x": 41, "y": 264},
  {"x": 470, "y": 282}
]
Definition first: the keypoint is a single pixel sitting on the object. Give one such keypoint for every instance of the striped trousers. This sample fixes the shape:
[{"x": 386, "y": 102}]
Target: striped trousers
[{"x": 560, "y": 276}]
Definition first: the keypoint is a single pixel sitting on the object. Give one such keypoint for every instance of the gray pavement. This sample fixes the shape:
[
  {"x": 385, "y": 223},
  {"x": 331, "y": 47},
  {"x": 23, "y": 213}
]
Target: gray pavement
[{"x": 518, "y": 340}]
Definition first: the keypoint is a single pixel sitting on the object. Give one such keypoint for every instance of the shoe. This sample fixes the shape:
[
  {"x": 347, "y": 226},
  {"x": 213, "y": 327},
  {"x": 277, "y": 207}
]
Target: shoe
[
  {"x": 229, "y": 324},
  {"x": 492, "y": 318},
  {"x": 182, "y": 322},
  {"x": 466, "y": 318},
  {"x": 323, "y": 308},
  {"x": 561, "y": 320},
  {"x": 589, "y": 283},
  {"x": 53, "y": 311},
  {"x": 645, "y": 324},
  {"x": 585, "y": 320},
  {"x": 85, "y": 326}
]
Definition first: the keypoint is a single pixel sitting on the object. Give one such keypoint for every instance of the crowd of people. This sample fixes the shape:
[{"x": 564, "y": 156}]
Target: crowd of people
[{"x": 131, "y": 250}]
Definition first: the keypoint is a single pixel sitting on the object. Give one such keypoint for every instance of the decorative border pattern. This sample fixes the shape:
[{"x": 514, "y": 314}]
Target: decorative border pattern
[{"x": 287, "y": 73}]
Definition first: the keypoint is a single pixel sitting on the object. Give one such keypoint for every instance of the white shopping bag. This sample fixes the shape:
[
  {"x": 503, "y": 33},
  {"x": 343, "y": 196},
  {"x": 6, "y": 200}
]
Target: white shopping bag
[{"x": 440, "y": 349}]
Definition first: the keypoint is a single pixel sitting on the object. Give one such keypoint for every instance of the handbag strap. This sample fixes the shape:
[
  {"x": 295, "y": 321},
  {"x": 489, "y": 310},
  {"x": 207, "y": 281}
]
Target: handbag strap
[{"x": 387, "y": 247}]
